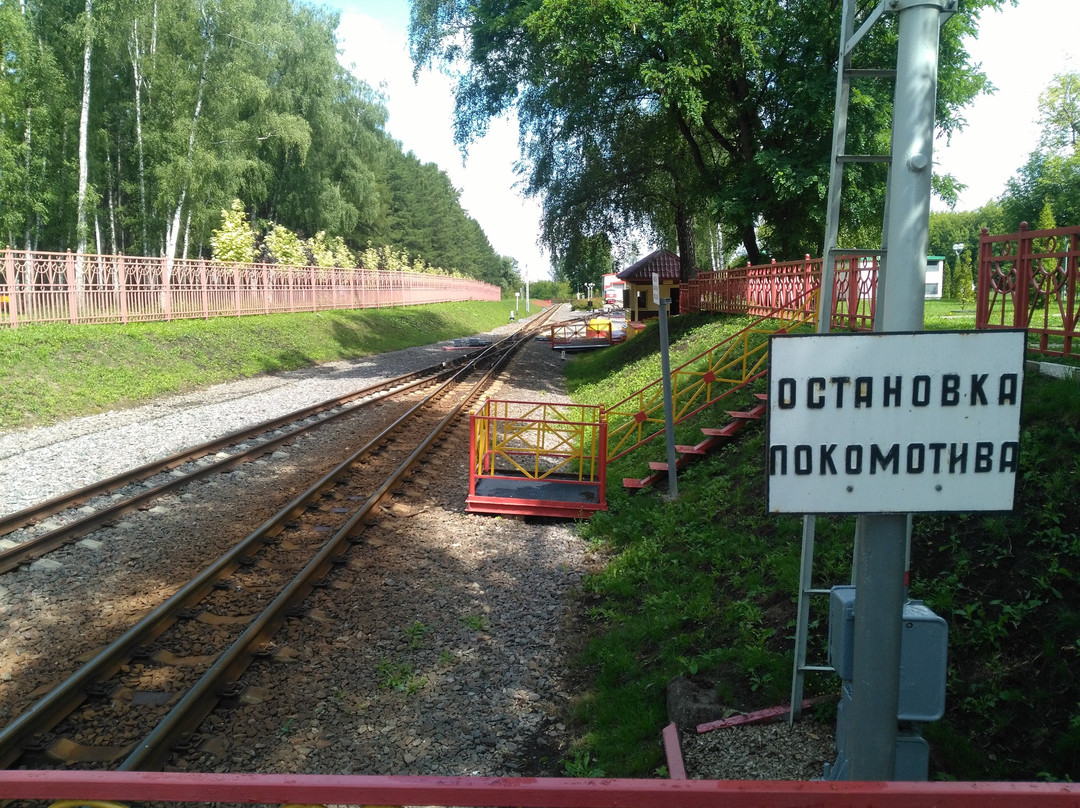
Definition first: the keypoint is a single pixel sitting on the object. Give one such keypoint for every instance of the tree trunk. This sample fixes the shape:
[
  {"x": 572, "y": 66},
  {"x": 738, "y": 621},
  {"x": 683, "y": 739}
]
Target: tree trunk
[
  {"x": 29, "y": 165},
  {"x": 684, "y": 230},
  {"x": 172, "y": 235},
  {"x": 136, "y": 66},
  {"x": 81, "y": 229},
  {"x": 749, "y": 239}
]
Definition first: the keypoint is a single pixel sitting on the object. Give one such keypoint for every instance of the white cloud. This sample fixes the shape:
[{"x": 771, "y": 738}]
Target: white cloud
[{"x": 421, "y": 117}]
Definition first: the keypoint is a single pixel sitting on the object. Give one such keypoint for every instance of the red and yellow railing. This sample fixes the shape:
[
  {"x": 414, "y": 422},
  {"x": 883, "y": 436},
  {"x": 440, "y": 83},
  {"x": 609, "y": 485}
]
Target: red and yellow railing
[
  {"x": 596, "y": 331},
  {"x": 516, "y": 443},
  {"x": 702, "y": 381}
]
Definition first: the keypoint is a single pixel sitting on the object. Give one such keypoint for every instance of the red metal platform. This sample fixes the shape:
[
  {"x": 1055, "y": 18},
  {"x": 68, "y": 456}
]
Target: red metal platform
[{"x": 530, "y": 459}]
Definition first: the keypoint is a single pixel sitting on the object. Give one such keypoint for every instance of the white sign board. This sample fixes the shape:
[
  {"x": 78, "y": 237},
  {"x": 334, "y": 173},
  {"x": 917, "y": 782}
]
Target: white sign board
[
  {"x": 656, "y": 288},
  {"x": 894, "y": 423}
]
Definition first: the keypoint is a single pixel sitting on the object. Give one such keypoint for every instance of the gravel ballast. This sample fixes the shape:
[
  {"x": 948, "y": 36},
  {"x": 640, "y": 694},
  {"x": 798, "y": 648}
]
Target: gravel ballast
[{"x": 442, "y": 647}]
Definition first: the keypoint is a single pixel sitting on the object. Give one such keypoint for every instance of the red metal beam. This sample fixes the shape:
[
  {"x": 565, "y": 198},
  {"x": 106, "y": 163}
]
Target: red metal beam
[{"x": 525, "y": 792}]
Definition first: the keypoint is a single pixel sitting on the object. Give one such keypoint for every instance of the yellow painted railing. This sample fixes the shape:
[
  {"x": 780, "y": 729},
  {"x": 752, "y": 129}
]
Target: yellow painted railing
[
  {"x": 698, "y": 383},
  {"x": 537, "y": 441}
]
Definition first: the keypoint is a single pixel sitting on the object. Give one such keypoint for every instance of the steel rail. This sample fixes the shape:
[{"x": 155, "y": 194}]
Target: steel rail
[
  {"x": 42, "y": 510},
  {"x": 48, "y": 711},
  {"x": 192, "y": 709},
  {"x": 39, "y": 546}
]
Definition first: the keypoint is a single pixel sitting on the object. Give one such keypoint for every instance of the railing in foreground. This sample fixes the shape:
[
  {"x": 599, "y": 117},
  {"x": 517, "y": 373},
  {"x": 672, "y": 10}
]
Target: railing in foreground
[
  {"x": 291, "y": 789},
  {"x": 41, "y": 287}
]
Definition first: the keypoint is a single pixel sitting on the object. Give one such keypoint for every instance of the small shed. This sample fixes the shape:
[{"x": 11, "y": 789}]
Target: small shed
[{"x": 637, "y": 298}]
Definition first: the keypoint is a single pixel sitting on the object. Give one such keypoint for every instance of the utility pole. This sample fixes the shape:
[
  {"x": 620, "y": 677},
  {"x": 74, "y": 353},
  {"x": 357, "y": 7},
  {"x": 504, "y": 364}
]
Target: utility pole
[{"x": 880, "y": 550}]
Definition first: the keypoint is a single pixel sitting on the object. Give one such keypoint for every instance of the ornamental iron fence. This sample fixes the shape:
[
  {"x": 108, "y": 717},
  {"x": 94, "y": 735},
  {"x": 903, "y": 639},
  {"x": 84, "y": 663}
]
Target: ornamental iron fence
[
  {"x": 782, "y": 289},
  {"x": 44, "y": 287},
  {"x": 1028, "y": 280}
]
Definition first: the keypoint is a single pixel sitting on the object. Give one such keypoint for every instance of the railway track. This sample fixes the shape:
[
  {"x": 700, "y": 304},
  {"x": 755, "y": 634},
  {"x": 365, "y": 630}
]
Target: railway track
[
  {"x": 144, "y": 695},
  {"x": 194, "y": 463}
]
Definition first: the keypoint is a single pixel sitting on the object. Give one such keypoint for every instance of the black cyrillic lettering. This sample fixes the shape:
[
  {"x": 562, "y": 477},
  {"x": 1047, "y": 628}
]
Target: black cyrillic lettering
[
  {"x": 892, "y": 458},
  {"x": 1008, "y": 387},
  {"x": 777, "y": 460},
  {"x": 956, "y": 459},
  {"x": 864, "y": 391},
  {"x": 785, "y": 393},
  {"x": 893, "y": 387},
  {"x": 825, "y": 464},
  {"x": 977, "y": 394},
  {"x": 815, "y": 393},
  {"x": 950, "y": 390},
  {"x": 916, "y": 458},
  {"x": 984, "y": 457},
  {"x": 853, "y": 459},
  {"x": 1010, "y": 456},
  {"x": 920, "y": 392},
  {"x": 840, "y": 381},
  {"x": 937, "y": 449},
  {"x": 804, "y": 459}
]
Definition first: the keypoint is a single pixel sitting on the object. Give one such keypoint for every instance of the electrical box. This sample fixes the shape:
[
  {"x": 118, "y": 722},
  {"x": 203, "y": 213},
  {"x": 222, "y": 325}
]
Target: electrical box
[{"x": 923, "y": 651}]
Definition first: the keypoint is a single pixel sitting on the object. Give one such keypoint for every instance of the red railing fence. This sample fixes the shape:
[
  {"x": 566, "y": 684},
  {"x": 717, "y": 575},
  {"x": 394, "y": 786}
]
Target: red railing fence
[
  {"x": 781, "y": 289},
  {"x": 44, "y": 287},
  {"x": 1028, "y": 280}
]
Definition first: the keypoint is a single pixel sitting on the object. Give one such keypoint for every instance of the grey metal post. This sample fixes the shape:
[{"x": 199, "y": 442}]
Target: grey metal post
[
  {"x": 880, "y": 555},
  {"x": 669, "y": 414}
]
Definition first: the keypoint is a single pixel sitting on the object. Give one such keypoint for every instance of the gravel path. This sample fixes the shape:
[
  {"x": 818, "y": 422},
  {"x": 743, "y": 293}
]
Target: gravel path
[{"x": 441, "y": 648}]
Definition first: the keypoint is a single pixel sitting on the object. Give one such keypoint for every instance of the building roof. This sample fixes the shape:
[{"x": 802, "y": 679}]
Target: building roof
[{"x": 664, "y": 262}]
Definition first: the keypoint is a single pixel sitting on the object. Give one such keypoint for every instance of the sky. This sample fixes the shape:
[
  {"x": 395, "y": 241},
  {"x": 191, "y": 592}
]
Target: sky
[{"x": 1020, "y": 50}]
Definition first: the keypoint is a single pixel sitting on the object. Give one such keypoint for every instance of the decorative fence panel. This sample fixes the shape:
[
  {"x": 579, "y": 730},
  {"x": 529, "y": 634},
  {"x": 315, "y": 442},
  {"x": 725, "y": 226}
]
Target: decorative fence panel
[
  {"x": 782, "y": 289},
  {"x": 1028, "y": 280},
  {"x": 43, "y": 287}
]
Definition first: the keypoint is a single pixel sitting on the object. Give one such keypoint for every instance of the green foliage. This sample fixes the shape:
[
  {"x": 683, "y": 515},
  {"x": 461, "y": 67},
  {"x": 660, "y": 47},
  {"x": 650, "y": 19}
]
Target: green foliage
[
  {"x": 399, "y": 676},
  {"x": 1008, "y": 587},
  {"x": 322, "y": 253},
  {"x": 234, "y": 240},
  {"x": 285, "y": 247},
  {"x": 673, "y": 117},
  {"x": 1049, "y": 183},
  {"x": 193, "y": 105}
]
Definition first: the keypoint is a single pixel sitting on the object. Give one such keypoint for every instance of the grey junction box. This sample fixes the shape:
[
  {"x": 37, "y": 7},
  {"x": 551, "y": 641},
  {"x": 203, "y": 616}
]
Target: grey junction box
[{"x": 923, "y": 654}]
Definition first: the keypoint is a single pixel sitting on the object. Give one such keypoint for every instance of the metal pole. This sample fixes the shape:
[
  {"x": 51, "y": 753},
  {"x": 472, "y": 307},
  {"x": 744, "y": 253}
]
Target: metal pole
[
  {"x": 669, "y": 415},
  {"x": 880, "y": 554}
]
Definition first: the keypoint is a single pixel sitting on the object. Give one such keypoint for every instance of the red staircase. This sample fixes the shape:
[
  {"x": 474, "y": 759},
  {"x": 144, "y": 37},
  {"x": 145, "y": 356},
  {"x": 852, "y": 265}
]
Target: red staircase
[{"x": 714, "y": 437}]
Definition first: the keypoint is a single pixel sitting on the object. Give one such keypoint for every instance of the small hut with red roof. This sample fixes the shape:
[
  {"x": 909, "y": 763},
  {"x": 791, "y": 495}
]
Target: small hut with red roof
[{"x": 638, "y": 299}]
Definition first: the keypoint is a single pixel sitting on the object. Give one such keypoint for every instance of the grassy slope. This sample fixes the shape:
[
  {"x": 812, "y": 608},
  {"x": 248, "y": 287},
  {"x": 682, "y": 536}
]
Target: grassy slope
[
  {"x": 705, "y": 587},
  {"x": 50, "y": 372}
]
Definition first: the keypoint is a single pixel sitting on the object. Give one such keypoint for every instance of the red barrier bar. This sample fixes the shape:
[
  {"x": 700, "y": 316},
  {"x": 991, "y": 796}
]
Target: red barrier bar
[{"x": 526, "y": 792}]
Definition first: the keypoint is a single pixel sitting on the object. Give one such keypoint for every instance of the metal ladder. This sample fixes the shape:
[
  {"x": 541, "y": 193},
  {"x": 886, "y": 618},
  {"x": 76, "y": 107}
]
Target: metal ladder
[{"x": 849, "y": 38}]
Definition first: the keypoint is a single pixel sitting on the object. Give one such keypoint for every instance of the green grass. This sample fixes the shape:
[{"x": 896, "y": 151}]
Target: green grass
[
  {"x": 705, "y": 587},
  {"x": 51, "y": 372}
]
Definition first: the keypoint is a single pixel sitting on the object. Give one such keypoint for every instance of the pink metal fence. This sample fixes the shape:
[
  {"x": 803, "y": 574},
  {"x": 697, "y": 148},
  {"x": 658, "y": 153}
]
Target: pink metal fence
[
  {"x": 1028, "y": 280},
  {"x": 42, "y": 287},
  {"x": 782, "y": 288},
  {"x": 282, "y": 789}
]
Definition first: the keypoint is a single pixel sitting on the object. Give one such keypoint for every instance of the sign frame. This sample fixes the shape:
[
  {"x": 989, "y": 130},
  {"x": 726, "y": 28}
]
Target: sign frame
[{"x": 896, "y": 422}]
